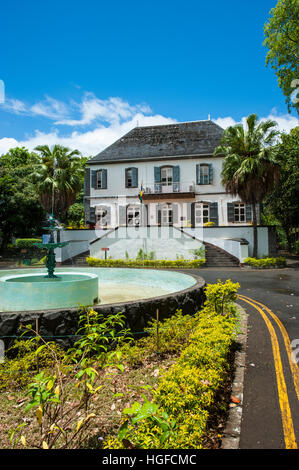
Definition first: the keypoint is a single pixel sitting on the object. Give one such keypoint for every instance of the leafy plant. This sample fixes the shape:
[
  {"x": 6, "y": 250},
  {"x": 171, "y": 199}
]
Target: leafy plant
[
  {"x": 60, "y": 422},
  {"x": 221, "y": 296},
  {"x": 265, "y": 262},
  {"x": 150, "y": 412},
  {"x": 187, "y": 395},
  {"x": 178, "y": 263},
  {"x": 143, "y": 255},
  {"x": 199, "y": 252}
]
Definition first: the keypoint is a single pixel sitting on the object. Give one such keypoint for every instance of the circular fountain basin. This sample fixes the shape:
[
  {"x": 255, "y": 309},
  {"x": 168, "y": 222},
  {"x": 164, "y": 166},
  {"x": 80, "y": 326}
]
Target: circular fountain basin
[{"x": 27, "y": 292}]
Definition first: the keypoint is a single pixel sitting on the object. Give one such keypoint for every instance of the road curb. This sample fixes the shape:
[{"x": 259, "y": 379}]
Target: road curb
[{"x": 232, "y": 431}]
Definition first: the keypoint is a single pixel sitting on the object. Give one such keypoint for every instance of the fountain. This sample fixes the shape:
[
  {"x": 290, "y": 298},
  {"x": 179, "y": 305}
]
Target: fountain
[
  {"x": 52, "y": 297},
  {"x": 25, "y": 292}
]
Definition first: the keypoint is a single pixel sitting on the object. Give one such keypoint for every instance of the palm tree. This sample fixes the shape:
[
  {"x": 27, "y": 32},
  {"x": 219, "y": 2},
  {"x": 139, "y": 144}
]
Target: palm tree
[
  {"x": 249, "y": 168},
  {"x": 58, "y": 178}
]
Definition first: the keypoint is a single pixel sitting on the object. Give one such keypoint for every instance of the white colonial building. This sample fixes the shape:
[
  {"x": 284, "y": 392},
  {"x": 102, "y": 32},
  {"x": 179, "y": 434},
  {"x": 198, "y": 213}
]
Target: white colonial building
[
  {"x": 175, "y": 168},
  {"x": 158, "y": 189}
]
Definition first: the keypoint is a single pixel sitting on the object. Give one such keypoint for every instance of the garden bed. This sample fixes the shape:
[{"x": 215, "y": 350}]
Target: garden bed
[
  {"x": 264, "y": 263},
  {"x": 147, "y": 263},
  {"x": 169, "y": 389}
]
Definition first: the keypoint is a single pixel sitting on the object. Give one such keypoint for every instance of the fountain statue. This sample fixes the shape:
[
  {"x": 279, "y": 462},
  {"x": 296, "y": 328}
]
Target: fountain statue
[
  {"x": 50, "y": 246},
  {"x": 37, "y": 291}
]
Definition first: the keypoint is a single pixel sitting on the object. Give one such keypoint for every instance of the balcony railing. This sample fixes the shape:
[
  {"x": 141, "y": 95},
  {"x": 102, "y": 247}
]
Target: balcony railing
[{"x": 161, "y": 188}]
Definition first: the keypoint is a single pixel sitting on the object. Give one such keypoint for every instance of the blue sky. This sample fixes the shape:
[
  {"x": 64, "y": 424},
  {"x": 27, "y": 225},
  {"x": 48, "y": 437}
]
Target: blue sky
[{"x": 84, "y": 73}]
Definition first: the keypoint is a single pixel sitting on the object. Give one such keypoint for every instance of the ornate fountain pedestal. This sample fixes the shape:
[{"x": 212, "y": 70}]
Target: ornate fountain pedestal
[
  {"x": 25, "y": 292},
  {"x": 51, "y": 261}
]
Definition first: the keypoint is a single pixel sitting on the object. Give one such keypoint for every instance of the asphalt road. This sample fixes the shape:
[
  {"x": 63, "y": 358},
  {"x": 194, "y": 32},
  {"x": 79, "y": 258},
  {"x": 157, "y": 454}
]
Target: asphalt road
[{"x": 269, "y": 409}]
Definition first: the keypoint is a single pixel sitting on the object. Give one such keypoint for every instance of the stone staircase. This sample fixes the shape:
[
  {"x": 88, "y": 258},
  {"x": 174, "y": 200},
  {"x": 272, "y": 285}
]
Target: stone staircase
[
  {"x": 217, "y": 257},
  {"x": 79, "y": 260}
]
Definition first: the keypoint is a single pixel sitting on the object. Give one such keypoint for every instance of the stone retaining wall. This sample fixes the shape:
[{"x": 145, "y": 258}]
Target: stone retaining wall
[{"x": 62, "y": 324}]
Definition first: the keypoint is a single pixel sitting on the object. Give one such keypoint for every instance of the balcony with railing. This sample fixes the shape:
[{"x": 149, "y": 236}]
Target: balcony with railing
[{"x": 173, "y": 190}]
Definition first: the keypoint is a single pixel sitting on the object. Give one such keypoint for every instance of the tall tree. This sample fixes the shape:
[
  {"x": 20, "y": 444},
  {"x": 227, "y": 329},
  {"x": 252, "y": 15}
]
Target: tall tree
[
  {"x": 282, "y": 40},
  {"x": 283, "y": 201},
  {"x": 58, "y": 178},
  {"x": 249, "y": 168},
  {"x": 21, "y": 213}
]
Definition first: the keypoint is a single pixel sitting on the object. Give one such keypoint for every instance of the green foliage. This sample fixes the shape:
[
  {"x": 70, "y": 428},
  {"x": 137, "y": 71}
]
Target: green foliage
[
  {"x": 186, "y": 396},
  {"x": 27, "y": 242},
  {"x": 41, "y": 391},
  {"x": 142, "y": 255},
  {"x": 23, "y": 362},
  {"x": 75, "y": 215},
  {"x": 60, "y": 171},
  {"x": 220, "y": 297},
  {"x": 153, "y": 414},
  {"x": 98, "y": 333},
  {"x": 173, "y": 333},
  {"x": 265, "y": 262},
  {"x": 95, "y": 262},
  {"x": 282, "y": 40},
  {"x": 283, "y": 201},
  {"x": 199, "y": 252},
  {"x": 21, "y": 213},
  {"x": 50, "y": 396},
  {"x": 250, "y": 169}
]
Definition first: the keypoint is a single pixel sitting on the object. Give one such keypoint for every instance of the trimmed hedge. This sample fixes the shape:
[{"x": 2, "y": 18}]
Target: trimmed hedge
[
  {"x": 27, "y": 242},
  {"x": 188, "y": 391},
  {"x": 187, "y": 396},
  {"x": 148, "y": 263},
  {"x": 265, "y": 262}
]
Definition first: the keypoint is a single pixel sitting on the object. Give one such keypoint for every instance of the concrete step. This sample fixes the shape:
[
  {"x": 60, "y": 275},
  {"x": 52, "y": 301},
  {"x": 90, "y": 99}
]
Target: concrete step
[{"x": 215, "y": 257}]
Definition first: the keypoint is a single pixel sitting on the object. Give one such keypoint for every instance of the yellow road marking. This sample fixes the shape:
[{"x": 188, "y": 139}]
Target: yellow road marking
[
  {"x": 287, "y": 422},
  {"x": 294, "y": 367}
]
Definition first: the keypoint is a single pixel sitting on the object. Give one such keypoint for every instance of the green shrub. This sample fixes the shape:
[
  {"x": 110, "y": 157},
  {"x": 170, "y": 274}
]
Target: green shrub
[
  {"x": 25, "y": 243},
  {"x": 221, "y": 296},
  {"x": 186, "y": 396},
  {"x": 179, "y": 263},
  {"x": 143, "y": 255},
  {"x": 265, "y": 262},
  {"x": 23, "y": 362}
]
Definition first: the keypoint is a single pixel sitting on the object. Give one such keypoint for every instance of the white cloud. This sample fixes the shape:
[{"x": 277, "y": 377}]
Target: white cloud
[
  {"x": 111, "y": 119},
  {"x": 50, "y": 108},
  {"x": 112, "y": 110},
  {"x": 285, "y": 122},
  {"x": 15, "y": 106},
  {"x": 90, "y": 142}
]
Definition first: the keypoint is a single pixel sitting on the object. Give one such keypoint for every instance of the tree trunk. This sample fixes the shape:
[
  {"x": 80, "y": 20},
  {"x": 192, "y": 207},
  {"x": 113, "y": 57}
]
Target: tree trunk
[{"x": 254, "y": 220}]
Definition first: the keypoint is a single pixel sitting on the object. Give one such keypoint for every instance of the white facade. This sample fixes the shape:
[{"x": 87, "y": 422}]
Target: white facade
[{"x": 166, "y": 196}]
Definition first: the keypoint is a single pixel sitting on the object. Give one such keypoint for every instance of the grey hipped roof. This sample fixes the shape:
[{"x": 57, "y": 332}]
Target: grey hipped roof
[{"x": 180, "y": 139}]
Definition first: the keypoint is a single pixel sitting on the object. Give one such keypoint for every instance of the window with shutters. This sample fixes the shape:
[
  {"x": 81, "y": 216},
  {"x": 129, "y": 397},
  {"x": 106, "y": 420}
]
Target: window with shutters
[
  {"x": 204, "y": 174},
  {"x": 131, "y": 178},
  {"x": 201, "y": 213},
  {"x": 133, "y": 216},
  {"x": 167, "y": 214},
  {"x": 167, "y": 176},
  {"x": 239, "y": 212},
  {"x": 100, "y": 180},
  {"x": 102, "y": 216}
]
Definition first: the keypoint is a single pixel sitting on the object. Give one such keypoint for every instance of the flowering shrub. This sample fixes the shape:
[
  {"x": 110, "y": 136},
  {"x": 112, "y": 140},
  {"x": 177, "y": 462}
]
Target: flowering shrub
[
  {"x": 265, "y": 262},
  {"x": 186, "y": 395},
  {"x": 162, "y": 263}
]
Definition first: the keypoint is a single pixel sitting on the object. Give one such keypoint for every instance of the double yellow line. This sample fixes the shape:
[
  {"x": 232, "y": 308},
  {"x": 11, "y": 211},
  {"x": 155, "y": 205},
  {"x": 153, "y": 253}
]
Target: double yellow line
[{"x": 287, "y": 422}]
